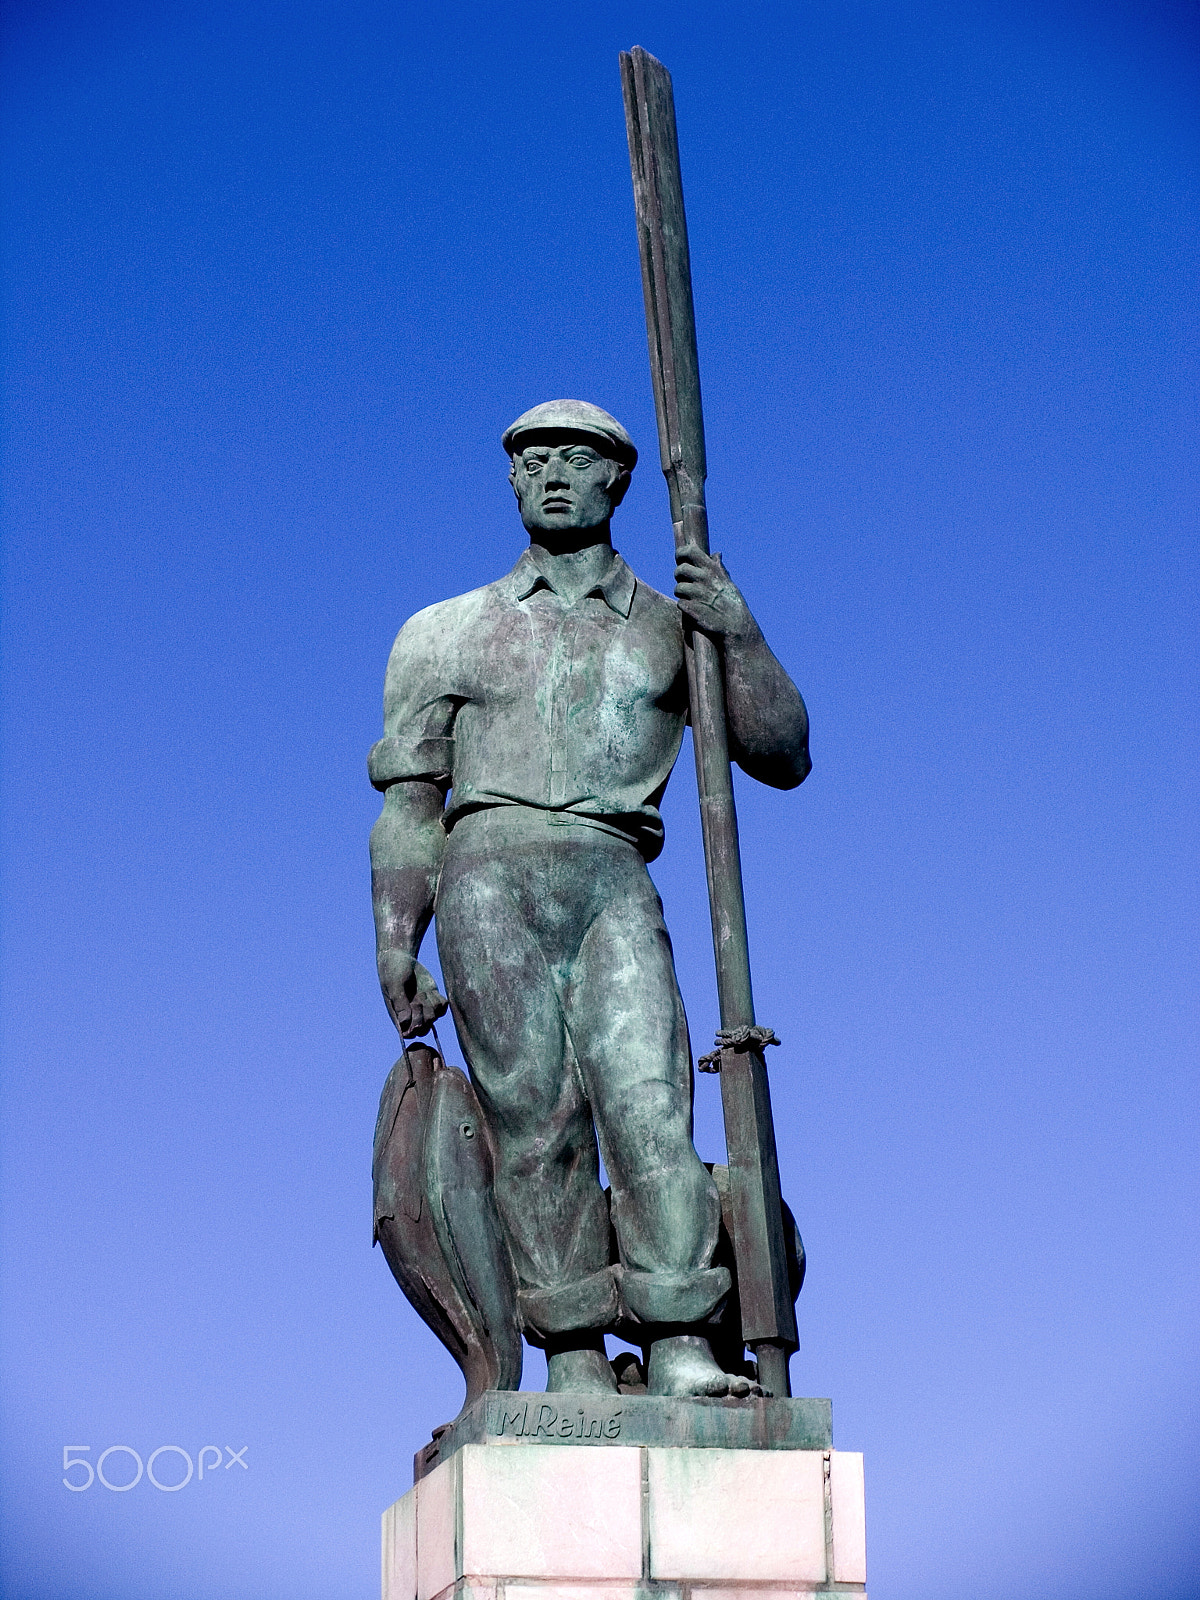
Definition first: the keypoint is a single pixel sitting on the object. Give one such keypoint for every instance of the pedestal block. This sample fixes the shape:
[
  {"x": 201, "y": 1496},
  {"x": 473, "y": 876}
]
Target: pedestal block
[{"x": 535, "y": 1521}]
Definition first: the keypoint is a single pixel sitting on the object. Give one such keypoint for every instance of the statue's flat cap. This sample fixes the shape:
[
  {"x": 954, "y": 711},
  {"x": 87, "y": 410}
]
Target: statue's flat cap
[{"x": 574, "y": 416}]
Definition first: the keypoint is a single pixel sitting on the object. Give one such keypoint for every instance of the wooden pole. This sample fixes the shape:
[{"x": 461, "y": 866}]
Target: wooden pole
[{"x": 768, "y": 1315}]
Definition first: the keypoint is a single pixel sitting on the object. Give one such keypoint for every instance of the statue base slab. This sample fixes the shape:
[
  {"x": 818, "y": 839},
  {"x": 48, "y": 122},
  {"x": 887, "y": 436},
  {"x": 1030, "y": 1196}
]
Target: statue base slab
[
  {"x": 533, "y": 1521},
  {"x": 632, "y": 1419}
]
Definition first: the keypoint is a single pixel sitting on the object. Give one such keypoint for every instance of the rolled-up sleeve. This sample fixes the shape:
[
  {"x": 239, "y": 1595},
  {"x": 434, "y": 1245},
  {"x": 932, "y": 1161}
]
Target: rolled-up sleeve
[{"x": 419, "y": 709}]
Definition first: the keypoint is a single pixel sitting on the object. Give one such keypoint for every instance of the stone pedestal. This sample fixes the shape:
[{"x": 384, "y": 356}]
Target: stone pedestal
[{"x": 518, "y": 1518}]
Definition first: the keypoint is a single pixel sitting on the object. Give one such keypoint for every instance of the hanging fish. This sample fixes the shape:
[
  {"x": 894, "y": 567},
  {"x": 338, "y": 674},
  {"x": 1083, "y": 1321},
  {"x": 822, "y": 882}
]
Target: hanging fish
[{"x": 436, "y": 1218}]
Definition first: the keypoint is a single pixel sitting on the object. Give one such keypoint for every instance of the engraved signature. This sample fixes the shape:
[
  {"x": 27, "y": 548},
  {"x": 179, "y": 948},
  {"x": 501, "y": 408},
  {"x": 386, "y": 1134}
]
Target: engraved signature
[{"x": 548, "y": 1422}]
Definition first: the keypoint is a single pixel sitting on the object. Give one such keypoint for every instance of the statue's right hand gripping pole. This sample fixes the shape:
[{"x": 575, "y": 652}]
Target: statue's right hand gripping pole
[{"x": 768, "y": 1315}]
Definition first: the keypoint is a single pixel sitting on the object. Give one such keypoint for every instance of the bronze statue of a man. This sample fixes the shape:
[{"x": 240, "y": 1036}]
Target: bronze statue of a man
[{"x": 530, "y": 730}]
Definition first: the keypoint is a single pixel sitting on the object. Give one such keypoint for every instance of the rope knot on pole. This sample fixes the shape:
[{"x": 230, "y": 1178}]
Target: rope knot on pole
[{"x": 753, "y": 1038}]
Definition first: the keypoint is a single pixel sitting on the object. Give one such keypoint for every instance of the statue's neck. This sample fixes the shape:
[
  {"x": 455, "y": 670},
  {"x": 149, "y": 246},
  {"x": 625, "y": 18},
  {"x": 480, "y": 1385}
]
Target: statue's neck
[{"x": 573, "y": 568}]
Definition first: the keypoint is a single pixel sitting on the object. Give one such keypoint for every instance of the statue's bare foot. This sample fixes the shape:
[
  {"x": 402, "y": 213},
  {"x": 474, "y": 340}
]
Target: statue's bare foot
[
  {"x": 684, "y": 1365},
  {"x": 584, "y": 1371}
]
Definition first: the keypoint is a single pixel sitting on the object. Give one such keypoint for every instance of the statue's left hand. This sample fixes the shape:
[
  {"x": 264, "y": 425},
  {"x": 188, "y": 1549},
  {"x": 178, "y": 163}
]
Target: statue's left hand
[{"x": 708, "y": 595}]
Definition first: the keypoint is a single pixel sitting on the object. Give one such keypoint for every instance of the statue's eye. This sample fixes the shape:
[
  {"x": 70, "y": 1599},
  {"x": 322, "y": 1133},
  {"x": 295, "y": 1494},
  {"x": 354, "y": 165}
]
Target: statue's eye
[
  {"x": 533, "y": 466},
  {"x": 467, "y": 1129},
  {"x": 581, "y": 461}
]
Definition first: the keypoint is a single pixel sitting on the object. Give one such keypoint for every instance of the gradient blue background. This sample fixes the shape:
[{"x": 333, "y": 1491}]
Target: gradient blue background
[{"x": 278, "y": 275}]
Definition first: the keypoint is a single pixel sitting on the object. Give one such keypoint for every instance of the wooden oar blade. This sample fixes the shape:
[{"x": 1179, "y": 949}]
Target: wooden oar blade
[
  {"x": 666, "y": 272},
  {"x": 674, "y": 366}
]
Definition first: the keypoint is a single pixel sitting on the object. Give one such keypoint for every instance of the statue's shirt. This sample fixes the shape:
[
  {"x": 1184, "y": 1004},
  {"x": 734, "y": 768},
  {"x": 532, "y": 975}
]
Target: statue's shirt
[{"x": 514, "y": 697}]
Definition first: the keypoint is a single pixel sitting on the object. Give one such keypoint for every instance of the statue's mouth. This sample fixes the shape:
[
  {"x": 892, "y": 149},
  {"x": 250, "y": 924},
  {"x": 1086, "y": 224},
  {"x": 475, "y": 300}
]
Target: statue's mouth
[{"x": 556, "y": 503}]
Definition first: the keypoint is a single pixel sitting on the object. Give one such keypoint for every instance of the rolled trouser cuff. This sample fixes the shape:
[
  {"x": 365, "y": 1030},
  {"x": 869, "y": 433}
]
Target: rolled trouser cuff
[
  {"x": 672, "y": 1298},
  {"x": 589, "y": 1302}
]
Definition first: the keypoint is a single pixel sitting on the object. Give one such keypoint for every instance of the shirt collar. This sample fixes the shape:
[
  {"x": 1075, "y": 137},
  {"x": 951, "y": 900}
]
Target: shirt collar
[{"x": 616, "y": 588}]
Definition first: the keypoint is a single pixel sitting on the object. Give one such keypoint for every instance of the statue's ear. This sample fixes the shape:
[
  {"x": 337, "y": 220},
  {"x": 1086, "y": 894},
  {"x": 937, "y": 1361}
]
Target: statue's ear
[{"x": 620, "y": 485}]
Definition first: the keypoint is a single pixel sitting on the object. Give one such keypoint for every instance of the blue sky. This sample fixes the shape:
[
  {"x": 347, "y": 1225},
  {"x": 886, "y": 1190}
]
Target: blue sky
[{"x": 277, "y": 277}]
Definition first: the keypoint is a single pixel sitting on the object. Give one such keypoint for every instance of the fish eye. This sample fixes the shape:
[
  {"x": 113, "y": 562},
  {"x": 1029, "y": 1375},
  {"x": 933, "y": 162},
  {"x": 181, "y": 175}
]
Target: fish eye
[{"x": 467, "y": 1129}]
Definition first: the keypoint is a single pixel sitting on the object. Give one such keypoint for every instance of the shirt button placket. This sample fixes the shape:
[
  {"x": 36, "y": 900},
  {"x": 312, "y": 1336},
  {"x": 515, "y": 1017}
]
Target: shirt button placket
[{"x": 560, "y": 708}]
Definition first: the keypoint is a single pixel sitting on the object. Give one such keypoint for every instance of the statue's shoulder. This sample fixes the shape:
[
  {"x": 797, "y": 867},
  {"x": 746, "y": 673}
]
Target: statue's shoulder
[
  {"x": 446, "y": 617},
  {"x": 660, "y": 609},
  {"x": 652, "y": 597}
]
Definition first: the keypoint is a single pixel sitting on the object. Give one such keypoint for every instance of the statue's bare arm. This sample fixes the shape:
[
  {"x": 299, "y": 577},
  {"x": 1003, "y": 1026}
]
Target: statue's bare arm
[
  {"x": 407, "y": 845},
  {"x": 768, "y": 722}
]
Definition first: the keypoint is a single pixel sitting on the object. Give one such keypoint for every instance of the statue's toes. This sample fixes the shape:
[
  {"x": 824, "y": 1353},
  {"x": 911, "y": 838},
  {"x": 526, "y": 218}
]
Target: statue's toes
[
  {"x": 693, "y": 1382},
  {"x": 714, "y": 1386},
  {"x": 739, "y": 1387}
]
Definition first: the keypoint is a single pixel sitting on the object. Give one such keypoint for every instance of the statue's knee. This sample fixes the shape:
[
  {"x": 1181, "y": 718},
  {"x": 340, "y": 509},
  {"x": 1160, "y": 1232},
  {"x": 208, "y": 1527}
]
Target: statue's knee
[{"x": 654, "y": 1112}]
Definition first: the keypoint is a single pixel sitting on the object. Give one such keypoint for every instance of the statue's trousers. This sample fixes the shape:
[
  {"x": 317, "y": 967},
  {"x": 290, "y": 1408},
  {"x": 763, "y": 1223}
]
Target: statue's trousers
[{"x": 559, "y": 971}]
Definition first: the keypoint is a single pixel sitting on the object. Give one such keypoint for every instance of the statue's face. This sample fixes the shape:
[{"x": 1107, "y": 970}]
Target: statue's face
[{"x": 565, "y": 483}]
